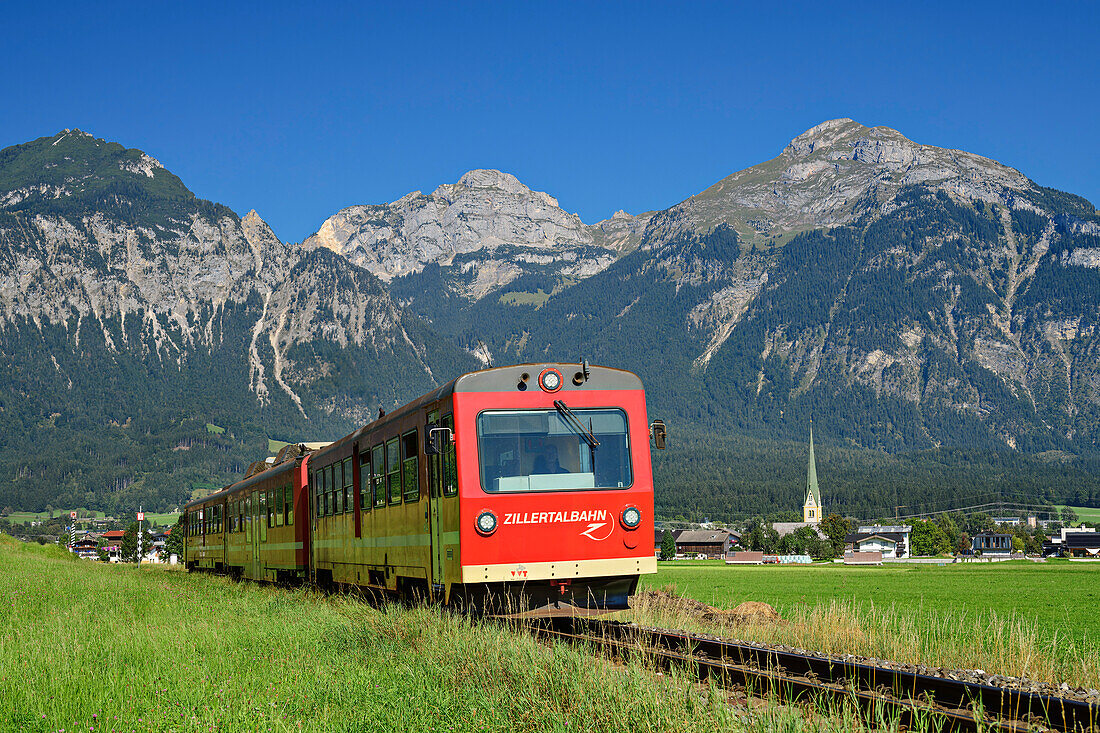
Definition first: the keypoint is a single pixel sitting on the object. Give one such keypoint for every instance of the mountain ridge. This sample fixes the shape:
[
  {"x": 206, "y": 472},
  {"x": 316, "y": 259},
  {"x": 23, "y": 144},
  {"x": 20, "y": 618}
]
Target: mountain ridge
[{"x": 912, "y": 298}]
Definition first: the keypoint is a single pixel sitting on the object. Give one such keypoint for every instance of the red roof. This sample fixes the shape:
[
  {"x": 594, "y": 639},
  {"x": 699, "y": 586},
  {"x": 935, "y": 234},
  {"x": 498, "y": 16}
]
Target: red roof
[{"x": 114, "y": 534}]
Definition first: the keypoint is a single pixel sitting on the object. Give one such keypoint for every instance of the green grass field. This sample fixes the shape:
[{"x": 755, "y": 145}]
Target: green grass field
[
  {"x": 1087, "y": 513},
  {"x": 93, "y": 647},
  {"x": 1060, "y": 596},
  {"x": 163, "y": 518},
  {"x": 1034, "y": 619}
]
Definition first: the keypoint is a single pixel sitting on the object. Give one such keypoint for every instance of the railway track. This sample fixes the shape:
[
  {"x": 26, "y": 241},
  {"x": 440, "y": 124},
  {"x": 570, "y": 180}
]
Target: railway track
[{"x": 882, "y": 693}]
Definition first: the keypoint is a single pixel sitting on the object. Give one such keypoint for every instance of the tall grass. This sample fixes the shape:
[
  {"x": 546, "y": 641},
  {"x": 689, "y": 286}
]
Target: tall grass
[
  {"x": 997, "y": 643},
  {"x": 91, "y": 647}
]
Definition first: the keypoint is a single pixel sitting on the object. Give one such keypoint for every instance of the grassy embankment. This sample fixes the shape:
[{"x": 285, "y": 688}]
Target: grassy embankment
[
  {"x": 95, "y": 647},
  {"x": 161, "y": 518},
  {"x": 1014, "y": 618},
  {"x": 1087, "y": 513}
]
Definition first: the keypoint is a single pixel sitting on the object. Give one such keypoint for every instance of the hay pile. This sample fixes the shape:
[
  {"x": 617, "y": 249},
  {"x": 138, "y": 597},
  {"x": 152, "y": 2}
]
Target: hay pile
[{"x": 666, "y": 602}]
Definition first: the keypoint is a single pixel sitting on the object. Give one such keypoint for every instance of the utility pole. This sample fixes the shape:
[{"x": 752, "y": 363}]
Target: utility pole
[{"x": 140, "y": 516}]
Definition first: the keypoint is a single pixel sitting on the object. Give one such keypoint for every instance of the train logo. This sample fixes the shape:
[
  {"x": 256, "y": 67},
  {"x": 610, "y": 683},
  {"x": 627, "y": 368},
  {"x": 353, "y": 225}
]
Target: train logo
[{"x": 593, "y": 526}]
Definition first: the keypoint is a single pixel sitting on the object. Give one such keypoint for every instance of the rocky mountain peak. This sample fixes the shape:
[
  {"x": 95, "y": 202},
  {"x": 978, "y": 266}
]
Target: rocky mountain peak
[
  {"x": 488, "y": 228},
  {"x": 834, "y": 173},
  {"x": 489, "y": 182},
  {"x": 489, "y": 178},
  {"x": 825, "y": 134}
]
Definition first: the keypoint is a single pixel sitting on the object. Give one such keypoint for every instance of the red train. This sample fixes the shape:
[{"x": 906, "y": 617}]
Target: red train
[{"x": 514, "y": 487}]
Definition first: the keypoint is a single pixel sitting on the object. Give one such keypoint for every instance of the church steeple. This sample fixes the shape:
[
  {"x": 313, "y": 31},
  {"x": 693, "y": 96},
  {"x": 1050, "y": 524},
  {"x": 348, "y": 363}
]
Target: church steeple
[{"x": 811, "y": 508}]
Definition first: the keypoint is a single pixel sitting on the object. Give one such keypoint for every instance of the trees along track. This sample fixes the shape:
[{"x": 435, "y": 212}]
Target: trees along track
[{"x": 791, "y": 677}]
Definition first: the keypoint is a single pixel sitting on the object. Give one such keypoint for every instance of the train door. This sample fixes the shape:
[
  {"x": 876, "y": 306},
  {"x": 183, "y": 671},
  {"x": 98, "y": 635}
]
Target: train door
[
  {"x": 224, "y": 525},
  {"x": 264, "y": 512},
  {"x": 435, "y": 496}
]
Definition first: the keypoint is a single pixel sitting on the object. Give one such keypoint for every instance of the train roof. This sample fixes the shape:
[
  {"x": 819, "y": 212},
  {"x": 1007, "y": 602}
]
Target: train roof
[
  {"x": 497, "y": 379},
  {"x": 278, "y": 470}
]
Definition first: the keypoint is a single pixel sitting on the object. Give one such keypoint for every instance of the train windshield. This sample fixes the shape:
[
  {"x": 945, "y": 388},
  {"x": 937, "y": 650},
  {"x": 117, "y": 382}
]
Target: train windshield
[{"x": 543, "y": 450}]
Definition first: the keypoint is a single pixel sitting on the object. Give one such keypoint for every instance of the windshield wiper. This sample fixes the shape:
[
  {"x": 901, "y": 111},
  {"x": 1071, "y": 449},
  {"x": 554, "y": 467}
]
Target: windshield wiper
[{"x": 574, "y": 422}]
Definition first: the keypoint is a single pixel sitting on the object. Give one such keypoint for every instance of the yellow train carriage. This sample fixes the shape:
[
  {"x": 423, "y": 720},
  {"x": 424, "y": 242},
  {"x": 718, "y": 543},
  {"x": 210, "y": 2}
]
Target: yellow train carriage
[
  {"x": 385, "y": 505},
  {"x": 256, "y": 528}
]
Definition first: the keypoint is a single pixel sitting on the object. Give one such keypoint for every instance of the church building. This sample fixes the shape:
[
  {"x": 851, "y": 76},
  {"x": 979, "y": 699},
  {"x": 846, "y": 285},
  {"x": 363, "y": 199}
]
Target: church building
[{"x": 812, "y": 510}]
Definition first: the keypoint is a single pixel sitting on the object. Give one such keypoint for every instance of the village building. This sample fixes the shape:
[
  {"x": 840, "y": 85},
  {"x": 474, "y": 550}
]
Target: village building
[
  {"x": 892, "y": 541},
  {"x": 86, "y": 546},
  {"x": 785, "y": 528},
  {"x": 1070, "y": 541},
  {"x": 992, "y": 543},
  {"x": 1082, "y": 544},
  {"x": 1007, "y": 521},
  {"x": 709, "y": 542}
]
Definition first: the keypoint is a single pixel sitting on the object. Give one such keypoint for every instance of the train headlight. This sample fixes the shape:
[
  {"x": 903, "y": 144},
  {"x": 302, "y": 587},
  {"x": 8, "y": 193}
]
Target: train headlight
[
  {"x": 550, "y": 380},
  {"x": 486, "y": 523},
  {"x": 631, "y": 517}
]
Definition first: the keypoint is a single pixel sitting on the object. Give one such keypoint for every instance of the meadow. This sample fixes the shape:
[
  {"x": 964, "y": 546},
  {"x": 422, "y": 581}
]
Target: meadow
[
  {"x": 1087, "y": 513},
  {"x": 1015, "y": 618},
  {"x": 88, "y": 646},
  {"x": 160, "y": 519}
]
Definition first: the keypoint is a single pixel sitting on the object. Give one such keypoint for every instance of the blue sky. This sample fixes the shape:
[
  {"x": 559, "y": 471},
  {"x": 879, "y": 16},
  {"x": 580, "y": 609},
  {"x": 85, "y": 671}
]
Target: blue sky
[{"x": 297, "y": 110}]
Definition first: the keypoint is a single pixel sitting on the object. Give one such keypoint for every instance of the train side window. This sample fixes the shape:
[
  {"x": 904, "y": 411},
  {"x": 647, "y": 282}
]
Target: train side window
[
  {"x": 280, "y": 502},
  {"x": 378, "y": 468},
  {"x": 326, "y": 490},
  {"x": 410, "y": 466},
  {"x": 288, "y": 509},
  {"x": 365, "y": 500},
  {"x": 263, "y": 515},
  {"x": 349, "y": 495},
  {"x": 330, "y": 485},
  {"x": 271, "y": 507},
  {"x": 393, "y": 470},
  {"x": 240, "y": 514},
  {"x": 337, "y": 488},
  {"x": 318, "y": 495},
  {"x": 450, "y": 467}
]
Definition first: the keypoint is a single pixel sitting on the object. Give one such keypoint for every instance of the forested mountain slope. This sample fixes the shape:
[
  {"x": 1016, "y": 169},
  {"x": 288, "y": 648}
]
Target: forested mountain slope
[
  {"x": 956, "y": 304},
  {"x": 133, "y": 313}
]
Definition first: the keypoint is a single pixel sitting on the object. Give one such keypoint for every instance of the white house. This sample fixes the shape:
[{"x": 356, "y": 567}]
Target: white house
[{"x": 891, "y": 540}]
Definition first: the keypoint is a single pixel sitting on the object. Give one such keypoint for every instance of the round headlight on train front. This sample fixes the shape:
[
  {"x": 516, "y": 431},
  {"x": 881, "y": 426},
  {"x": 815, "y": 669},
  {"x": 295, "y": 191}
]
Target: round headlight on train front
[
  {"x": 631, "y": 517},
  {"x": 486, "y": 523},
  {"x": 550, "y": 380}
]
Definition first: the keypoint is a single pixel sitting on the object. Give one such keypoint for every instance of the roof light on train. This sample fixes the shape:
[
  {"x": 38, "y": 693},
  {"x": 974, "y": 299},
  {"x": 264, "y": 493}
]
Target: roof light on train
[
  {"x": 550, "y": 380},
  {"x": 631, "y": 517},
  {"x": 486, "y": 523}
]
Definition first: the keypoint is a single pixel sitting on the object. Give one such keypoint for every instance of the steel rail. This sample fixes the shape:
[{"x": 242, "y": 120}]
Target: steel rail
[{"x": 790, "y": 676}]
